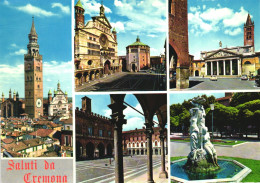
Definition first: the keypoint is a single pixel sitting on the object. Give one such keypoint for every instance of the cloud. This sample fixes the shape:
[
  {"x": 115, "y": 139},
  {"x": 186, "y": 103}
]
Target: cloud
[
  {"x": 118, "y": 3},
  {"x": 9, "y": 74},
  {"x": 92, "y": 7},
  {"x": 237, "y": 19},
  {"x": 138, "y": 16},
  {"x": 36, "y": 11},
  {"x": 207, "y": 20},
  {"x": 233, "y": 32},
  {"x": 13, "y": 45},
  {"x": 64, "y": 9},
  {"x": 133, "y": 123},
  {"x": 152, "y": 35},
  {"x": 53, "y": 71},
  {"x": 6, "y": 2},
  {"x": 194, "y": 9},
  {"x": 20, "y": 52},
  {"x": 119, "y": 26}
]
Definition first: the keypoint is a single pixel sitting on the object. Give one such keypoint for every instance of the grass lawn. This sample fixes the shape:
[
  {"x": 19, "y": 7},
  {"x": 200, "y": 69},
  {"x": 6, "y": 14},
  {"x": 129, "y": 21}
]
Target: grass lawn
[
  {"x": 254, "y": 165},
  {"x": 221, "y": 142}
]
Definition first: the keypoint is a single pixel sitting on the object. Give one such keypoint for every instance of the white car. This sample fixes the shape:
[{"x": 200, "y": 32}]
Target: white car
[{"x": 213, "y": 78}]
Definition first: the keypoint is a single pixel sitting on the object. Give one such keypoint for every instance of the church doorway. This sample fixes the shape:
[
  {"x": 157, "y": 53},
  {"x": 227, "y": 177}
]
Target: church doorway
[
  {"x": 123, "y": 65},
  {"x": 107, "y": 67},
  {"x": 90, "y": 150},
  {"x": 79, "y": 150},
  {"x": 109, "y": 150},
  {"x": 133, "y": 67},
  {"x": 196, "y": 73},
  {"x": 101, "y": 150}
]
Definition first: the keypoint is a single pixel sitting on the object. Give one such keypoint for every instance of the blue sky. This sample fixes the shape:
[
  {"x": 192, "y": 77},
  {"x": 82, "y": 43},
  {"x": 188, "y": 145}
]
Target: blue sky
[
  {"x": 53, "y": 25},
  {"x": 211, "y": 21},
  {"x": 178, "y": 98},
  {"x": 101, "y": 101},
  {"x": 145, "y": 18}
]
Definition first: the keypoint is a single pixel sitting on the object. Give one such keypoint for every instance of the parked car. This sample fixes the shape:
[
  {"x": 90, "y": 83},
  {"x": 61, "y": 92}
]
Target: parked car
[
  {"x": 244, "y": 77},
  {"x": 213, "y": 78}
]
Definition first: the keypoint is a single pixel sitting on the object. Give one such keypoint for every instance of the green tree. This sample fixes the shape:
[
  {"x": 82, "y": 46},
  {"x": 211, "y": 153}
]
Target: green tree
[{"x": 241, "y": 98}]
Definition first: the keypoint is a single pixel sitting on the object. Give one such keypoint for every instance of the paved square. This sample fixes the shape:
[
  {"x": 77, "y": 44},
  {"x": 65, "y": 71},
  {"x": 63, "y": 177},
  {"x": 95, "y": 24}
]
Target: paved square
[
  {"x": 126, "y": 81},
  {"x": 249, "y": 150},
  {"x": 220, "y": 84},
  {"x": 100, "y": 171}
]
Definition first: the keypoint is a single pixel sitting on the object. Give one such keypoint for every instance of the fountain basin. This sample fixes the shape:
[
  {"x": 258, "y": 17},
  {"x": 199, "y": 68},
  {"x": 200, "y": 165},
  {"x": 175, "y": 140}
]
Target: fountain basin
[{"x": 230, "y": 171}]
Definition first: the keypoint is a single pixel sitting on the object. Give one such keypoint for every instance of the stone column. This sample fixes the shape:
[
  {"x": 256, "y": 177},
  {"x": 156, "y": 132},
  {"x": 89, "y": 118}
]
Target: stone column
[
  {"x": 231, "y": 67},
  {"x": 118, "y": 121},
  {"x": 224, "y": 67},
  {"x": 238, "y": 67},
  {"x": 149, "y": 132},
  {"x": 211, "y": 69},
  {"x": 206, "y": 68},
  {"x": 217, "y": 67},
  {"x": 163, "y": 173}
]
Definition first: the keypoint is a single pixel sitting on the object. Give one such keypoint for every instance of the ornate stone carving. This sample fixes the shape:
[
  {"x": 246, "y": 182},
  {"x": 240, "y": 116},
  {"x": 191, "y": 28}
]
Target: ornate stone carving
[{"x": 203, "y": 156}]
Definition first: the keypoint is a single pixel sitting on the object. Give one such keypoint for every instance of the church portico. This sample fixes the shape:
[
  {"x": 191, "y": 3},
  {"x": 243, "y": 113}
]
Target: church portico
[{"x": 223, "y": 67}]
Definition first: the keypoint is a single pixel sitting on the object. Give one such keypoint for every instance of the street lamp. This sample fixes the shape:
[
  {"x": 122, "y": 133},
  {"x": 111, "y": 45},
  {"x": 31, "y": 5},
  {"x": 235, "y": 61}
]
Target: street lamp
[{"x": 212, "y": 108}]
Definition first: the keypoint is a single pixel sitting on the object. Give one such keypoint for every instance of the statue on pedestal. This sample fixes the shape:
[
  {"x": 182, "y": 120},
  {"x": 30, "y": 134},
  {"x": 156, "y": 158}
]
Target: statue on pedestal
[{"x": 203, "y": 156}]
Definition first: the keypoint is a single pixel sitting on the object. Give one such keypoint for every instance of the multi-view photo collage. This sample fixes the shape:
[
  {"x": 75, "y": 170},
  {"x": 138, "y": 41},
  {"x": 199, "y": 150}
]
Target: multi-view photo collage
[{"x": 135, "y": 91}]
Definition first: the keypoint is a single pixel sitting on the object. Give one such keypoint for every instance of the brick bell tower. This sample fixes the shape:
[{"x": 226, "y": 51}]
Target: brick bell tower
[
  {"x": 33, "y": 77},
  {"x": 178, "y": 40},
  {"x": 249, "y": 32},
  {"x": 79, "y": 15}
]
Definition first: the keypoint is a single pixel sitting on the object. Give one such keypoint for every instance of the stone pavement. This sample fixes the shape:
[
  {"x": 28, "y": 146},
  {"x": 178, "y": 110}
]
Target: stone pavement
[
  {"x": 249, "y": 150},
  {"x": 125, "y": 81},
  {"x": 100, "y": 171},
  {"x": 220, "y": 84}
]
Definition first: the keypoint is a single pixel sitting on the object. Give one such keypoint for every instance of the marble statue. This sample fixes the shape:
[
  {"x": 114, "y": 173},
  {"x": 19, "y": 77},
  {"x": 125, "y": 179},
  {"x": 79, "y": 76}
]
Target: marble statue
[{"x": 203, "y": 156}]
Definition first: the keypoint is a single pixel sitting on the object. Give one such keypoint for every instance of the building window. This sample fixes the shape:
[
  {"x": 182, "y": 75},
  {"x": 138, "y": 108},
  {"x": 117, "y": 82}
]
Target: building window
[
  {"x": 90, "y": 38},
  {"x": 90, "y": 131},
  {"x": 101, "y": 133},
  {"x": 94, "y": 39},
  {"x": 109, "y": 133}
]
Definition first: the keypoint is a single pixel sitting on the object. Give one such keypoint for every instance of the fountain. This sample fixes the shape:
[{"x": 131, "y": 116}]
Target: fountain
[{"x": 202, "y": 162}]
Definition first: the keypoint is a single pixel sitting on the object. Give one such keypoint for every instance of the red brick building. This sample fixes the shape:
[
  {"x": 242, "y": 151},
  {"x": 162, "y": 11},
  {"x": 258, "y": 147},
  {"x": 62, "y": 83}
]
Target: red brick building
[
  {"x": 94, "y": 133},
  {"x": 137, "y": 56},
  {"x": 178, "y": 40},
  {"x": 135, "y": 143}
]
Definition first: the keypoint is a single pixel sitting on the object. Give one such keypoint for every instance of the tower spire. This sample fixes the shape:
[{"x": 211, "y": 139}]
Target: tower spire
[{"x": 33, "y": 31}]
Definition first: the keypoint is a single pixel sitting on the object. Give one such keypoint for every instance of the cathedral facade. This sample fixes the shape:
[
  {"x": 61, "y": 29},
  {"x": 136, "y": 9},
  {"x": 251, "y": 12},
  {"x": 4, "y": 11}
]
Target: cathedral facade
[
  {"x": 137, "y": 56},
  {"x": 230, "y": 62},
  {"x": 95, "y": 51},
  {"x": 58, "y": 105},
  {"x": 11, "y": 106}
]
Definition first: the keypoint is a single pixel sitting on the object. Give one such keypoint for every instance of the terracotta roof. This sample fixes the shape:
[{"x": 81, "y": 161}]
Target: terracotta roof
[
  {"x": 8, "y": 140},
  {"x": 67, "y": 121},
  {"x": 223, "y": 98},
  {"x": 42, "y": 132}
]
